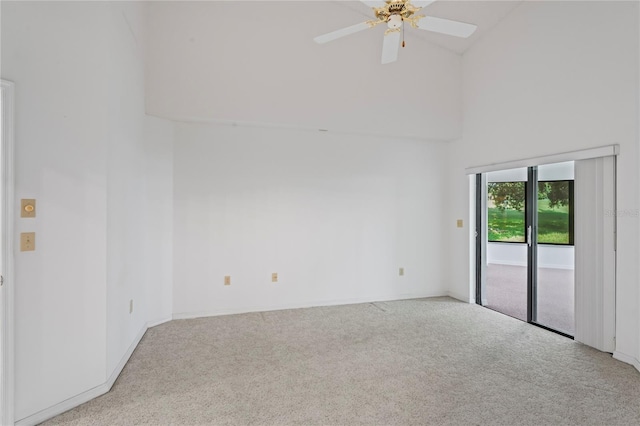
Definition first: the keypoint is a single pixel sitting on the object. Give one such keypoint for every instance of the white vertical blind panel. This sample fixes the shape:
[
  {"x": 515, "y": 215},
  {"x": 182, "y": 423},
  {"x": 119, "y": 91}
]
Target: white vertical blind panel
[{"x": 595, "y": 252}]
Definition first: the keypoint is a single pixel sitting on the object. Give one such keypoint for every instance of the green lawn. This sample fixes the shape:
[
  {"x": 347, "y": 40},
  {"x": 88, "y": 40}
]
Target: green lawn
[{"x": 508, "y": 225}]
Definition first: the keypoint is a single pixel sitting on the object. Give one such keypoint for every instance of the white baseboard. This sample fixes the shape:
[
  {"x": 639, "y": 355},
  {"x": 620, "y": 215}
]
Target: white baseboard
[
  {"x": 540, "y": 265},
  {"x": 281, "y": 307},
  {"x": 506, "y": 262},
  {"x": 86, "y": 396},
  {"x": 627, "y": 359},
  {"x": 125, "y": 358},
  {"x": 63, "y": 406},
  {"x": 565, "y": 267},
  {"x": 152, "y": 324},
  {"x": 461, "y": 297}
]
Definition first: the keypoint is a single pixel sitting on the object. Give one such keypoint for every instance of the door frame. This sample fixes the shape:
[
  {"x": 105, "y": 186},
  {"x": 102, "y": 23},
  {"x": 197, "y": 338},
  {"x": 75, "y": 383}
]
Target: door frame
[
  {"x": 7, "y": 231},
  {"x": 531, "y": 238},
  {"x": 479, "y": 239},
  {"x": 531, "y": 229}
]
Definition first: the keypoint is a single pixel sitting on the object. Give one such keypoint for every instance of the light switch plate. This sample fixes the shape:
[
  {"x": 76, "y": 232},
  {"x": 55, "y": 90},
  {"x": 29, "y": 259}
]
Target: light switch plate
[
  {"x": 27, "y": 241},
  {"x": 459, "y": 223},
  {"x": 27, "y": 207},
  {"x": 274, "y": 277},
  {"x": 227, "y": 280},
  {"x": 401, "y": 272}
]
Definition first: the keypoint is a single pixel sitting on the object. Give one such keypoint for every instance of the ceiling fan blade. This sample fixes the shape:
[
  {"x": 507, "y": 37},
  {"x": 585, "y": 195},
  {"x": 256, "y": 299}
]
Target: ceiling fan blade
[
  {"x": 390, "y": 47},
  {"x": 373, "y": 3},
  {"x": 421, "y": 3},
  {"x": 342, "y": 32},
  {"x": 445, "y": 26}
]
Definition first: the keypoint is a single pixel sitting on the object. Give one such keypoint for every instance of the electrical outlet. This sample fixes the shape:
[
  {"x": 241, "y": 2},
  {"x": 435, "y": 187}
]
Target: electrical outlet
[
  {"x": 459, "y": 223},
  {"x": 27, "y": 241},
  {"x": 274, "y": 277},
  {"x": 401, "y": 272},
  {"x": 227, "y": 280},
  {"x": 131, "y": 306}
]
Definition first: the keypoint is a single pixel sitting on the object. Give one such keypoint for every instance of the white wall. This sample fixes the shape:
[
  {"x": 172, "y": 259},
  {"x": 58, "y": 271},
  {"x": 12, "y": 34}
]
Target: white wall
[
  {"x": 549, "y": 256},
  {"x": 99, "y": 170},
  {"x": 555, "y": 77},
  {"x": 139, "y": 184},
  {"x": 60, "y": 159},
  {"x": 158, "y": 219},
  {"x": 334, "y": 215}
]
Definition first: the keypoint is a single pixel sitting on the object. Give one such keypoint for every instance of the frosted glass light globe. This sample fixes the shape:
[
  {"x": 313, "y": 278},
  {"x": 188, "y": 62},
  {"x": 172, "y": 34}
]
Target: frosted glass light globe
[{"x": 395, "y": 22}]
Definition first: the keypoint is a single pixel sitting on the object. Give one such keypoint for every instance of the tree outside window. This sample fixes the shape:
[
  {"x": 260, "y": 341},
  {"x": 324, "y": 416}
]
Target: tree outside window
[{"x": 506, "y": 218}]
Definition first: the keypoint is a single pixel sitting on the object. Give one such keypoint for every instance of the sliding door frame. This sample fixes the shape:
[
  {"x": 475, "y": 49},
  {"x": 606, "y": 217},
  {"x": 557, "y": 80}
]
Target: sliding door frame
[
  {"x": 531, "y": 230},
  {"x": 479, "y": 235},
  {"x": 531, "y": 226}
]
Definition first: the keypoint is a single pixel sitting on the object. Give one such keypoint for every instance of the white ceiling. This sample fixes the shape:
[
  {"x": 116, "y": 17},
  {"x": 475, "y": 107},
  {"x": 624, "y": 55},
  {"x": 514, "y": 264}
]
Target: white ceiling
[{"x": 256, "y": 63}]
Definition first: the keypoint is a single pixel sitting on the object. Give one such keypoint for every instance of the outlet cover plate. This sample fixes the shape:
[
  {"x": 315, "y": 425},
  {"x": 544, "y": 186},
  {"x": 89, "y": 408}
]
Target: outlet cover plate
[
  {"x": 27, "y": 241},
  {"x": 28, "y": 207}
]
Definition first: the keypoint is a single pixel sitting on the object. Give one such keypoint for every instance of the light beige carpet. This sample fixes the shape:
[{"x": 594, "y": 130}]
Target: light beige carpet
[{"x": 427, "y": 361}]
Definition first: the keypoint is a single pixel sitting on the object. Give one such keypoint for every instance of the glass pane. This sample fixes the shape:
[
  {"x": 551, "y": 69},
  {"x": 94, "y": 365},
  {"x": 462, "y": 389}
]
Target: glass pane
[
  {"x": 506, "y": 272},
  {"x": 553, "y": 212},
  {"x": 506, "y": 285},
  {"x": 505, "y": 211},
  {"x": 555, "y": 284}
]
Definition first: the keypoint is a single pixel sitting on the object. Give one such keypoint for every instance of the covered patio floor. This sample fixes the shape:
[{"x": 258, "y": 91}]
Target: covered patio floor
[{"x": 506, "y": 292}]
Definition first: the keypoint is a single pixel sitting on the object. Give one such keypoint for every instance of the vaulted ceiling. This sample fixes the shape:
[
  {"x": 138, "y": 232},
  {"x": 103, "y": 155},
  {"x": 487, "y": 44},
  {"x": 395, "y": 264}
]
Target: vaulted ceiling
[{"x": 255, "y": 63}]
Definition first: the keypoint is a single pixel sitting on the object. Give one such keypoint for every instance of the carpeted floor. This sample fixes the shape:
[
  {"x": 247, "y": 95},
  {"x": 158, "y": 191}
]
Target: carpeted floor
[
  {"x": 506, "y": 288},
  {"x": 426, "y": 361}
]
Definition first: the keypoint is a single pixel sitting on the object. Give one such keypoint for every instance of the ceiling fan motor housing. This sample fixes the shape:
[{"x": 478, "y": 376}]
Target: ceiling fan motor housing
[
  {"x": 396, "y": 7},
  {"x": 395, "y": 12}
]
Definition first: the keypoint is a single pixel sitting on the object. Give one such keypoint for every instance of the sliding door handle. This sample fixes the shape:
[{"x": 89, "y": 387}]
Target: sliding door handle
[{"x": 529, "y": 235}]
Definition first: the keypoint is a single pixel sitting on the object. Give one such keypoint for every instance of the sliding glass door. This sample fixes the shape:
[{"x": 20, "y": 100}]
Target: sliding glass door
[
  {"x": 555, "y": 247},
  {"x": 525, "y": 235},
  {"x": 505, "y": 263}
]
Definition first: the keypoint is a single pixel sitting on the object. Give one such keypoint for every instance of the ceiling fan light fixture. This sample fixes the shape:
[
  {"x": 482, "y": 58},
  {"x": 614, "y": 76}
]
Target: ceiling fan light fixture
[{"x": 394, "y": 22}]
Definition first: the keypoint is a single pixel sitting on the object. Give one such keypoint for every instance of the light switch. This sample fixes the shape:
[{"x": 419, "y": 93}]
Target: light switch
[
  {"x": 459, "y": 223},
  {"x": 27, "y": 207},
  {"x": 27, "y": 241},
  {"x": 401, "y": 272},
  {"x": 227, "y": 280},
  {"x": 274, "y": 277}
]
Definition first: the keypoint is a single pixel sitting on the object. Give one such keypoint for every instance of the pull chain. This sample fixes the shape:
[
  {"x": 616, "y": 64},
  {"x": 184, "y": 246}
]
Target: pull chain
[{"x": 402, "y": 33}]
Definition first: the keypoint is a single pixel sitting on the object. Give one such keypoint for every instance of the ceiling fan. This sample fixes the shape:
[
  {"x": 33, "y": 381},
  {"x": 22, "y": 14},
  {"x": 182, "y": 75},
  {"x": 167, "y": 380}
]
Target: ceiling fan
[{"x": 395, "y": 13}]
